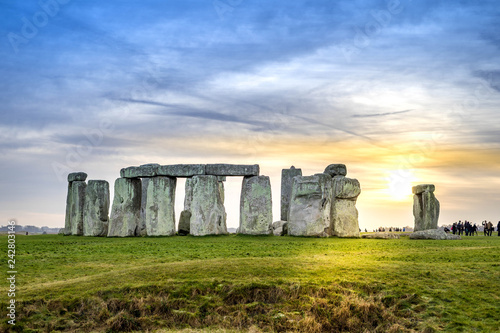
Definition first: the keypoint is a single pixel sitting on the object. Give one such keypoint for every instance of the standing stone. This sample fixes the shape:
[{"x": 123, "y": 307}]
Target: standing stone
[
  {"x": 126, "y": 210},
  {"x": 425, "y": 207},
  {"x": 256, "y": 216},
  {"x": 344, "y": 213},
  {"x": 75, "y": 202},
  {"x": 286, "y": 189},
  {"x": 96, "y": 211},
  {"x": 144, "y": 198},
  {"x": 222, "y": 193},
  {"x": 67, "y": 219},
  {"x": 310, "y": 205},
  {"x": 203, "y": 201},
  {"x": 159, "y": 210}
]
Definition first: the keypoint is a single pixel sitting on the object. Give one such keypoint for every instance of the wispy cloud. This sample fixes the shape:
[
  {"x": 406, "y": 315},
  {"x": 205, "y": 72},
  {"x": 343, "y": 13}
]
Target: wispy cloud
[{"x": 380, "y": 114}]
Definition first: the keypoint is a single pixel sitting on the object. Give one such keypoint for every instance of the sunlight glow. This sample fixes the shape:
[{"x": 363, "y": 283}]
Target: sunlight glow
[{"x": 399, "y": 184}]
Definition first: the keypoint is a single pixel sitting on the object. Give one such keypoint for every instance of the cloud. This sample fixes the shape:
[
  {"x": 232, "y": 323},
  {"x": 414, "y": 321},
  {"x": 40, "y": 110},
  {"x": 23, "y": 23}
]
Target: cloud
[{"x": 379, "y": 114}]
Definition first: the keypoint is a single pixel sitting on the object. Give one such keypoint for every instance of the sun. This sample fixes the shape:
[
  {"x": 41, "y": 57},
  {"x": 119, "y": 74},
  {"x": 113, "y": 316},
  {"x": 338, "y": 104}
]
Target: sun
[{"x": 399, "y": 184}]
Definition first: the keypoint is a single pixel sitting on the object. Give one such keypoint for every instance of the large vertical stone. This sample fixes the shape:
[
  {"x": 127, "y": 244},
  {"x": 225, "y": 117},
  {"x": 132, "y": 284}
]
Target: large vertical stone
[
  {"x": 256, "y": 216},
  {"x": 286, "y": 189},
  {"x": 96, "y": 211},
  {"x": 159, "y": 210},
  {"x": 222, "y": 193},
  {"x": 144, "y": 198},
  {"x": 75, "y": 202},
  {"x": 67, "y": 220},
  {"x": 126, "y": 210},
  {"x": 344, "y": 213},
  {"x": 203, "y": 201},
  {"x": 425, "y": 207},
  {"x": 310, "y": 205}
]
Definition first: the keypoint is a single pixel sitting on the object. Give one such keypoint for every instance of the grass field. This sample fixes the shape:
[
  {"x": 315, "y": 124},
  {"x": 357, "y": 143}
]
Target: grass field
[{"x": 234, "y": 283}]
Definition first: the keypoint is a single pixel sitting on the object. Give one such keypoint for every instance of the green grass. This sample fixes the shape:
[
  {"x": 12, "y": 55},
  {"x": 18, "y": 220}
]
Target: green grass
[{"x": 255, "y": 284}]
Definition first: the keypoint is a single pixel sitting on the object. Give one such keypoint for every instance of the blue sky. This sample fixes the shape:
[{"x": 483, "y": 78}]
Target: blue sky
[{"x": 403, "y": 92}]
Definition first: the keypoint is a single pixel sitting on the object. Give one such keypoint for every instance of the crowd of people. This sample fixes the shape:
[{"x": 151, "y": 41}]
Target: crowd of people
[
  {"x": 459, "y": 228},
  {"x": 390, "y": 229}
]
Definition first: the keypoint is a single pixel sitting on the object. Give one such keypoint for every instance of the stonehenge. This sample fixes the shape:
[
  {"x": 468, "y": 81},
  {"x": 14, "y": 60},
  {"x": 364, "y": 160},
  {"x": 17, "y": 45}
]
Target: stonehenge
[
  {"x": 309, "y": 211},
  {"x": 286, "y": 189},
  {"x": 96, "y": 208},
  {"x": 159, "y": 215},
  {"x": 125, "y": 217},
  {"x": 344, "y": 213},
  {"x": 425, "y": 207},
  {"x": 321, "y": 205},
  {"x": 324, "y": 205},
  {"x": 204, "y": 202},
  {"x": 256, "y": 216},
  {"x": 75, "y": 200}
]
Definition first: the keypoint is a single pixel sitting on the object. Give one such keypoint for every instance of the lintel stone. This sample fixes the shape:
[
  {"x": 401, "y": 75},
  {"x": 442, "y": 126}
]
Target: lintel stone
[
  {"x": 77, "y": 176},
  {"x": 181, "y": 170},
  {"x": 423, "y": 188},
  {"x": 232, "y": 170},
  {"x": 143, "y": 171}
]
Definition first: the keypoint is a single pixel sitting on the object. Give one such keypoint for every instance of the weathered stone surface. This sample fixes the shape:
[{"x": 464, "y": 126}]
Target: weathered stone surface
[
  {"x": 96, "y": 208},
  {"x": 144, "y": 199},
  {"x": 188, "y": 194},
  {"x": 67, "y": 218},
  {"x": 344, "y": 214},
  {"x": 208, "y": 216},
  {"x": 433, "y": 234},
  {"x": 310, "y": 206},
  {"x": 77, "y": 177},
  {"x": 184, "y": 223},
  {"x": 286, "y": 189},
  {"x": 221, "y": 178},
  {"x": 278, "y": 228},
  {"x": 425, "y": 208},
  {"x": 181, "y": 170},
  {"x": 232, "y": 170},
  {"x": 345, "y": 218},
  {"x": 222, "y": 193},
  {"x": 423, "y": 188},
  {"x": 346, "y": 188},
  {"x": 75, "y": 202},
  {"x": 145, "y": 170},
  {"x": 159, "y": 210},
  {"x": 61, "y": 231},
  {"x": 336, "y": 170},
  {"x": 381, "y": 235},
  {"x": 256, "y": 216},
  {"x": 126, "y": 210},
  {"x": 285, "y": 229}
]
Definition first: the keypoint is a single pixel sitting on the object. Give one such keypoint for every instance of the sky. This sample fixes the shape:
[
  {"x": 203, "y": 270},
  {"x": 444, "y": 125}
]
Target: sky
[{"x": 403, "y": 92}]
